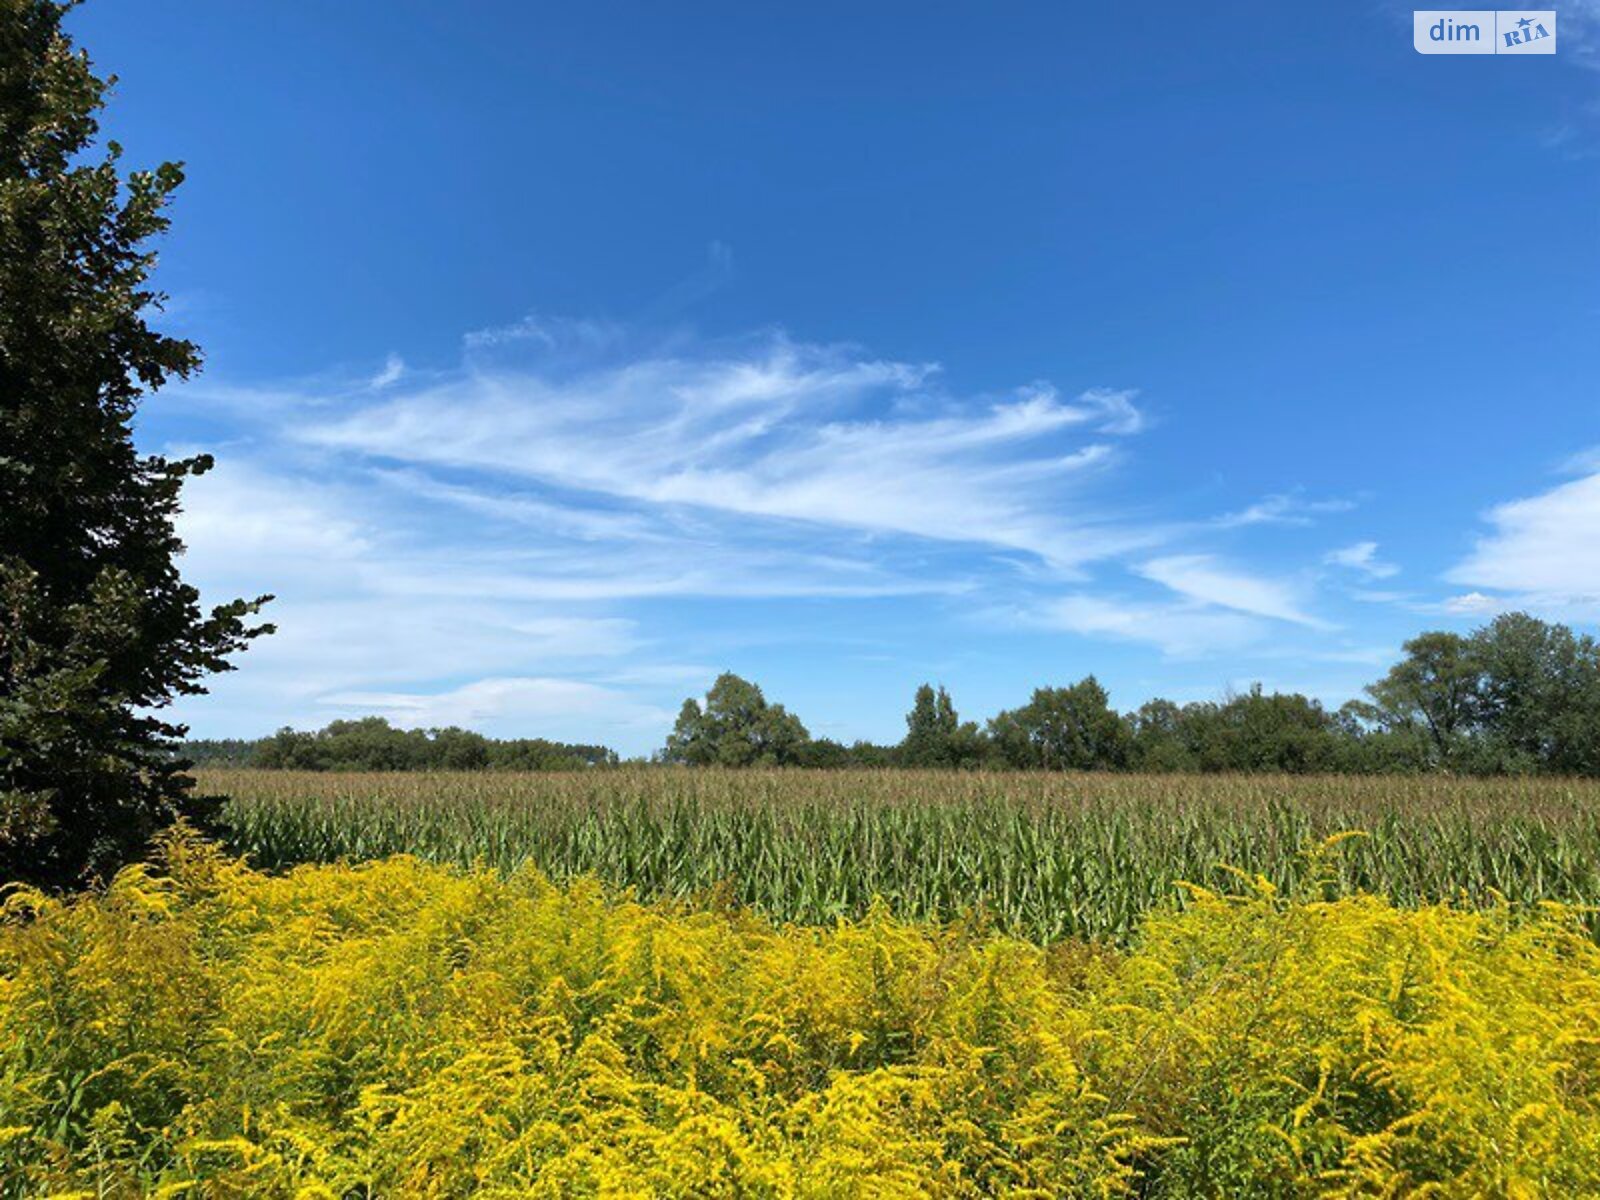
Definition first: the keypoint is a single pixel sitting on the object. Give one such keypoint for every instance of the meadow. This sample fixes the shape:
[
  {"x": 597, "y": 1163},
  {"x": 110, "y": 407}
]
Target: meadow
[
  {"x": 399, "y": 1029},
  {"x": 698, "y": 983},
  {"x": 1041, "y": 856}
]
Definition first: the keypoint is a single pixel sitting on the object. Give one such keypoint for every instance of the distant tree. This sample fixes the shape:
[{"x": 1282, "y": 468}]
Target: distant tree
[
  {"x": 1366, "y": 747},
  {"x": 691, "y": 741},
  {"x": 736, "y": 728},
  {"x": 825, "y": 754},
  {"x": 1518, "y": 695},
  {"x": 1160, "y": 738},
  {"x": 98, "y": 633},
  {"x": 930, "y": 725},
  {"x": 1538, "y": 696},
  {"x": 1063, "y": 729},
  {"x": 539, "y": 754},
  {"x": 1434, "y": 689},
  {"x": 289, "y": 750},
  {"x": 454, "y": 749},
  {"x": 372, "y": 744},
  {"x": 1275, "y": 731},
  {"x": 936, "y": 736},
  {"x": 218, "y": 752},
  {"x": 873, "y": 757}
]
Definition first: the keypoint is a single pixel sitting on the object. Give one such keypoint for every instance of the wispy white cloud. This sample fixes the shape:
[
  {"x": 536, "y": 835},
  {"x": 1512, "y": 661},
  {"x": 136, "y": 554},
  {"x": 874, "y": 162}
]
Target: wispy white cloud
[
  {"x": 1120, "y": 414},
  {"x": 245, "y": 527},
  {"x": 375, "y": 595},
  {"x": 1179, "y": 630},
  {"x": 544, "y": 703},
  {"x": 393, "y": 368},
  {"x": 1362, "y": 557},
  {"x": 585, "y": 522},
  {"x": 1283, "y": 508},
  {"x": 782, "y": 431},
  {"x": 549, "y": 333},
  {"x": 1380, "y": 596},
  {"x": 1543, "y": 551},
  {"x": 252, "y": 528},
  {"x": 691, "y": 677},
  {"x": 1200, "y": 578},
  {"x": 1474, "y": 604}
]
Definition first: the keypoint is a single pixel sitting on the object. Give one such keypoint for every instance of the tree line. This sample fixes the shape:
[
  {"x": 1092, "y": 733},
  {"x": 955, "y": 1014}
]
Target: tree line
[
  {"x": 1517, "y": 696},
  {"x": 372, "y": 744}
]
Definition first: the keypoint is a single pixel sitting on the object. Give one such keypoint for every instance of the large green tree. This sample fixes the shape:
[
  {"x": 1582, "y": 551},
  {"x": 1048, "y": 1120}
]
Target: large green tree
[
  {"x": 98, "y": 632},
  {"x": 1063, "y": 729},
  {"x": 1435, "y": 690},
  {"x": 736, "y": 727},
  {"x": 1538, "y": 696},
  {"x": 1258, "y": 730},
  {"x": 936, "y": 736}
]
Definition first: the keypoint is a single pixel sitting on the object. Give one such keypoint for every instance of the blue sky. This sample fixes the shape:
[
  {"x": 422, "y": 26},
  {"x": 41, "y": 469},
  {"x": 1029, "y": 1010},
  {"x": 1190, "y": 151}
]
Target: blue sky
[{"x": 559, "y": 358}]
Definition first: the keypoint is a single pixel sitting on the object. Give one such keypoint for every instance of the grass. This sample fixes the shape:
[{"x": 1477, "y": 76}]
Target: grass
[{"x": 1039, "y": 856}]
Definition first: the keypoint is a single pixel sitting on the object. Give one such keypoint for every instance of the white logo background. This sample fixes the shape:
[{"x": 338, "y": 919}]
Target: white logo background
[{"x": 1484, "y": 31}]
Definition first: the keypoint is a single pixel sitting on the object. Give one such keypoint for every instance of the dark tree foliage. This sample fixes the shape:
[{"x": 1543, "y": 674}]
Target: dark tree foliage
[
  {"x": 372, "y": 744},
  {"x": 1270, "y": 731},
  {"x": 825, "y": 754},
  {"x": 1537, "y": 703},
  {"x": 1432, "y": 692},
  {"x": 937, "y": 737},
  {"x": 1519, "y": 696},
  {"x": 219, "y": 752},
  {"x": 737, "y": 727},
  {"x": 97, "y": 630},
  {"x": 822, "y": 754},
  {"x": 1067, "y": 728}
]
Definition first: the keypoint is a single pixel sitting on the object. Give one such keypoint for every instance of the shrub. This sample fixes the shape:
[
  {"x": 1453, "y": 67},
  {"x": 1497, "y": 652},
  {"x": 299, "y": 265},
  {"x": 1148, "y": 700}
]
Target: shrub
[{"x": 405, "y": 1029}]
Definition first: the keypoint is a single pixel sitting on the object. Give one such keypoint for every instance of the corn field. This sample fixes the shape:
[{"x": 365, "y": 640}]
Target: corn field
[{"x": 1040, "y": 856}]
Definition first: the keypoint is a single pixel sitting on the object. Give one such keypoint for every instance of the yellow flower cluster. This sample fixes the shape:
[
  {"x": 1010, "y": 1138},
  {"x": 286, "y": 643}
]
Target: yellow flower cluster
[{"x": 399, "y": 1029}]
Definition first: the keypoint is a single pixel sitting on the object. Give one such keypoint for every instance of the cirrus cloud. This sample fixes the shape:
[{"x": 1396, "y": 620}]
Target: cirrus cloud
[
  {"x": 1200, "y": 578},
  {"x": 784, "y": 431}
]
